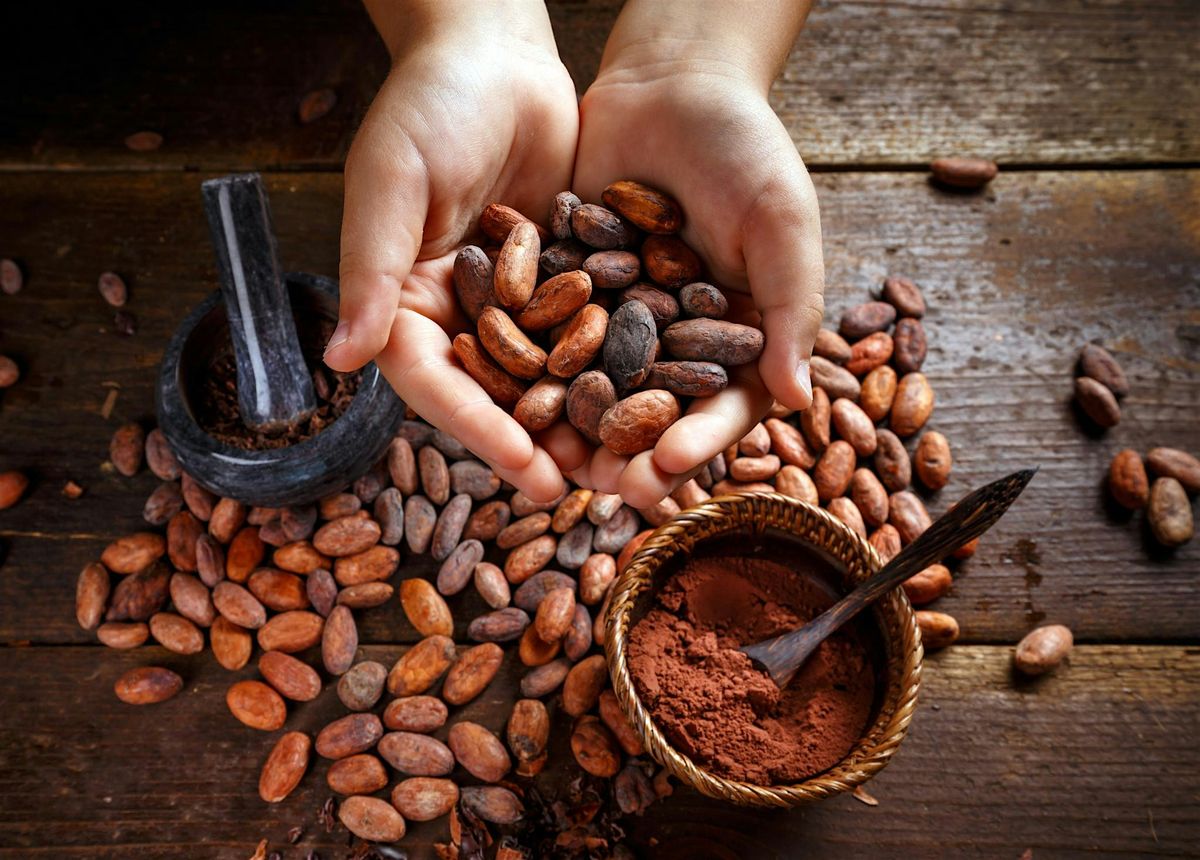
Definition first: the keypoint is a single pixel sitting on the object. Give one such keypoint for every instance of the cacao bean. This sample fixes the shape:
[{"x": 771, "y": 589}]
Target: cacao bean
[
  {"x": 1097, "y": 402},
  {"x": 589, "y": 398},
  {"x": 1177, "y": 464},
  {"x": 284, "y": 767},
  {"x": 371, "y": 819},
  {"x": 423, "y": 798},
  {"x": 962, "y": 172},
  {"x": 231, "y": 645},
  {"x": 1169, "y": 513},
  {"x": 910, "y": 345},
  {"x": 1043, "y": 649},
  {"x": 580, "y": 342},
  {"x": 356, "y": 774},
  {"x": 726, "y": 343},
  {"x": 932, "y": 460},
  {"x": 928, "y": 585},
  {"x": 126, "y": 449},
  {"x": 905, "y": 296},
  {"x": 362, "y": 685},
  {"x": 256, "y": 705},
  {"x": 291, "y": 631},
  {"x": 91, "y": 595},
  {"x": 147, "y": 685},
  {"x": 472, "y": 673},
  {"x": 937, "y": 629},
  {"x": 647, "y": 208},
  {"x": 479, "y": 751},
  {"x": 472, "y": 280},
  {"x": 420, "y": 714}
]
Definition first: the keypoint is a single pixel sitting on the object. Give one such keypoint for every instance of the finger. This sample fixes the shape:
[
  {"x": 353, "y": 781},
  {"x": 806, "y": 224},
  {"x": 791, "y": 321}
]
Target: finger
[
  {"x": 418, "y": 361},
  {"x": 714, "y": 423},
  {"x": 643, "y": 484},
  {"x": 565, "y": 445},
  {"x": 540, "y": 479},
  {"x": 605, "y": 470},
  {"x": 386, "y": 201},
  {"x": 782, "y": 246}
]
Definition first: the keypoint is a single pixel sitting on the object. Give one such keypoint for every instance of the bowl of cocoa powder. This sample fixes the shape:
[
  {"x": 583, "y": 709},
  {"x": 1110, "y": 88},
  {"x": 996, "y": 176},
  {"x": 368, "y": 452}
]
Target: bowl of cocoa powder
[{"x": 733, "y": 571}]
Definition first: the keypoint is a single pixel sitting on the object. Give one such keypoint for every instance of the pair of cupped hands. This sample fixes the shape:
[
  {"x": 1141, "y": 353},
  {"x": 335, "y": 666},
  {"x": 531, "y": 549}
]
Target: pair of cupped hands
[{"x": 459, "y": 124}]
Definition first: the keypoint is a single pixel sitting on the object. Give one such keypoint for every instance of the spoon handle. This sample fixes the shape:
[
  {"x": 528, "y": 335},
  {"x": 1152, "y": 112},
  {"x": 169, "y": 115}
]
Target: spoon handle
[{"x": 967, "y": 520}]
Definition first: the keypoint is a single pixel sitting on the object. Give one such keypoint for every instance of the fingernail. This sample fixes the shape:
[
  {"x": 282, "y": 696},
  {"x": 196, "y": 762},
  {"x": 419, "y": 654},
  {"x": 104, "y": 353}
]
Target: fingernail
[
  {"x": 340, "y": 335},
  {"x": 802, "y": 376}
]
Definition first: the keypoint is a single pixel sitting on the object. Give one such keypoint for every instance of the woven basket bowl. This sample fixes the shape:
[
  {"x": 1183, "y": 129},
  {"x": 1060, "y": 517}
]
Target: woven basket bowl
[{"x": 759, "y": 514}]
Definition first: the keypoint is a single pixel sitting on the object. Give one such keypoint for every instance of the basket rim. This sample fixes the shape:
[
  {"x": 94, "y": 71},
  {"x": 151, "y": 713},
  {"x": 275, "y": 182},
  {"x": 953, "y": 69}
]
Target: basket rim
[{"x": 900, "y": 634}]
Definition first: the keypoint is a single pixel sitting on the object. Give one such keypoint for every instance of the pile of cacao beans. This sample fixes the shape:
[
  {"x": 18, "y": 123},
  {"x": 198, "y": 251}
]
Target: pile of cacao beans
[
  {"x": 290, "y": 581},
  {"x": 546, "y": 342},
  {"x": 1100, "y": 384}
]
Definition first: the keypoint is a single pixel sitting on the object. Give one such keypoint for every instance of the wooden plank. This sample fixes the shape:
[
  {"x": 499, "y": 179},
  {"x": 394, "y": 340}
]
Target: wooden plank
[
  {"x": 870, "y": 83},
  {"x": 1096, "y": 760},
  {"x": 1016, "y": 281}
]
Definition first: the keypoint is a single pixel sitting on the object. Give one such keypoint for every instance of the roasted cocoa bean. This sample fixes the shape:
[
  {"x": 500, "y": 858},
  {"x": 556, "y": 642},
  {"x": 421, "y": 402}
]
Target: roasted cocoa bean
[
  {"x": 147, "y": 685},
  {"x": 456, "y": 571},
  {"x": 601, "y": 228},
  {"x": 831, "y": 346},
  {"x": 421, "y": 714},
  {"x": 426, "y": 610},
  {"x": 291, "y": 632},
  {"x": 635, "y": 424},
  {"x": 1043, "y": 649},
  {"x": 647, "y": 208},
  {"x": 581, "y": 689},
  {"x": 907, "y": 513},
  {"x": 372, "y": 819},
  {"x": 932, "y": 460},
  {"x": 424, "y": 798},
  {"x": 589, "y": 397},
  {"x": 293, "y": 679},
  {"x": 362, "y": 685},
  {"x": 277, "y": 590},
  {"x": 420, "y": 517},
  {"x": 447, "y": 532},
  {"x": 284, "y": 767},
  {"x": 256, "y": 705},
  {"x": 1169, "y": 513},
  {"x": 837, "y": 381},
  {"x": 834, "y": 471},
  {"x": 1097, "y": 402},
  {"x": 164, "y": 503},
  {"x": 356, "y": 774},
  {"x": 140, "y": 595},
  {"x": 541, "y": 405},
  {"x": 244, "y": 554},
  {"x": 1098, "y": 363},
  {"x": 878, "y": 392},
  {"x": 471, "y": 673},
  {"x": 126, "y": 449},
  {"x": 1177, "y": 464},
  {"x": 231, "y": 645},
  {"x": 502, "y": 625},
  {"x": 595, "y": 748},
  {"x": 937, "y": 629},
  {"x": 372, "y": 565},
  {"x": 905, "y": 296},
  {"x": 961, "y": 172},
  {"x": 629, "y": 345},
  {"x": 726, "y": 343},
  {"x": 472, "y": 280},
  {"x": 486, "y": 523},
  {"x": 795, "y": 482},
  {"x": 910, "y": 345},
  {"x": 133, "y": 553},
  {"x": 368, "y": 595},
  {"x": 160, "y": 458},
  {"x": 580, "y": 342},
  {"x": 322, "y": 591},
  {"x": 176, "y": 633},
  {"x": 479, "y": 751},
  {"x": 688, "y": 378},
  {"x": 928, "y": 585},
  {"x": 421, "y": 666},
  {"x": 515, "y": 272},
  {"x": 661, "y": 304},
  {"x": 339, "y": 640},
  {"x": 123, "y": 635},
  {"x": 816, "y": 422},
  {"x": 886, "y": 541},
  {"x": 91, "y": 595},
  {"x": 509, "y": 346}
]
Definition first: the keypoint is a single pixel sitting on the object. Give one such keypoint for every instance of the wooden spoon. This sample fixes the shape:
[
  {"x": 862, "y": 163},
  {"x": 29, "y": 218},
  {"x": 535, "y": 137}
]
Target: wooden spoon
[{"x": 783, "y": 655}]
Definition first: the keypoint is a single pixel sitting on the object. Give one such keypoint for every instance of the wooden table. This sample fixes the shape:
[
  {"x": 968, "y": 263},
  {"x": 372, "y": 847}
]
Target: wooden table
[{"x": 1092, "y": 231}]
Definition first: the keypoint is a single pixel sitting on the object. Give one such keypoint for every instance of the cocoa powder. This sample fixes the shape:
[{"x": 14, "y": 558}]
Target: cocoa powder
[{"x": 709, "y": 699}]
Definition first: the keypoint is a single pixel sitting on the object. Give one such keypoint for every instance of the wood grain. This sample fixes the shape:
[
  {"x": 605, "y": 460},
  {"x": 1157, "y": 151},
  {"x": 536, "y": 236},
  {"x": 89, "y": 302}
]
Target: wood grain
[
  {"x": 1016, "y": 281},
  {"x": 1096, "y": 760},
  {"x": 869, "y": 83}
]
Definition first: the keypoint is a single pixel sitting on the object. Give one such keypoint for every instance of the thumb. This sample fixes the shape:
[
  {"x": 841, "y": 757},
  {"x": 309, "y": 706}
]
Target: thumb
[
  {"x": 782, "y": 247},
  {"x": 383, "y": 219}
]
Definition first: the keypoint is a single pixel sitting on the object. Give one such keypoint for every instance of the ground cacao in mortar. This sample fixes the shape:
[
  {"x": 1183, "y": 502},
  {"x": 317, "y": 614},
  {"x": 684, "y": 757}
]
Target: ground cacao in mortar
[
  {"x": 708, "y": 698},
  {"x": 218, "y": 413}
]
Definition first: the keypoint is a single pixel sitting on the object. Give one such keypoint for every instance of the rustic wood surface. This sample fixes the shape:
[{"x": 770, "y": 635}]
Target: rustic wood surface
[
  {"x": 992, "y": 767},
  {"x": 1099, "y": 759},
  {"x": 871, "y": 82}
]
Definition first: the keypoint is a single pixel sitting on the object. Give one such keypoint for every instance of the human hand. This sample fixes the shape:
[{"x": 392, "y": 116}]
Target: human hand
[
  {"x": 705, "y": 134},
  {"x": 477, "y": 108}
]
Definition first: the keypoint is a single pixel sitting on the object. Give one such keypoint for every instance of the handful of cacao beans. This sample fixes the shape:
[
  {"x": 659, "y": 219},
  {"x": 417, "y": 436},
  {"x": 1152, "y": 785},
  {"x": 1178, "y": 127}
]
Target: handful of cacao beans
[{"x": 603, "y": 318}]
